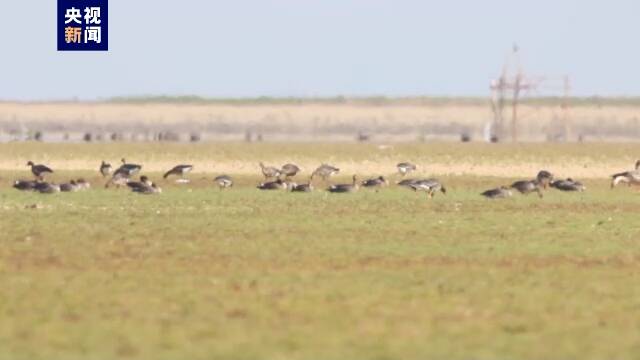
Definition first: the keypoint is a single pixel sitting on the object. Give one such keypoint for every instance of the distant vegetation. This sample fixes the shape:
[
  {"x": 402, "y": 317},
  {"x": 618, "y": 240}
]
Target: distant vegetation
[{"x": 375, "y": 100}]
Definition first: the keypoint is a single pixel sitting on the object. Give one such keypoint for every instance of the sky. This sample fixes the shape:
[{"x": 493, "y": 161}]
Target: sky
[{"x": 282, "y": 48}]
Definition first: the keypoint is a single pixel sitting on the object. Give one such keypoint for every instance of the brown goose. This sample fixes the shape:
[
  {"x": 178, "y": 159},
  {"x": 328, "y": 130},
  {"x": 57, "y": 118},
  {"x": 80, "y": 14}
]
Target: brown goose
[
  {"x": 325, "y": 171},
  {"x": 180, "y": 170},
  {"x": 269, "y": 172},
  {"x": 528, "y": 186},
  {"x": 289, "y": 170},
  {"x": 375, "y": 182},
  {"x": 224, "y": 181},
  {"x": 429, "y": 186},
  {"x": 345, "y": 188},
  {"x": 71, "y": 186},
  {"x": 406, "y": 167},
  {"x": 147, "y": 189},
  {"x": 273, "y": 185},
  {"x": 83, "y": 184},
  {"x": 39, "y": 170},
  {"x": 568, "y": 185},
  {"x": 127, "y": 169},
  {"x": 144, "y": 182},
  {"x": 497, "y": 193},
  {"x": 628, "y": 177}
]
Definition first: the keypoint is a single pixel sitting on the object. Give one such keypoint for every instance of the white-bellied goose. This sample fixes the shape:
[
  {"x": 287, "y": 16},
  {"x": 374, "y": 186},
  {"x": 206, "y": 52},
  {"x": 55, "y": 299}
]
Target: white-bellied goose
[
  {"x": 127, "y": 169},
  {"x": 278, "y": 184},
  {"x": 375, "y": 182},
  {"x": 325, "y": 171},
  {"x": 345, "y": 188},
  {"x": 83, "y": 184},
  {"x": 497, "y": 193},
  {"x": 628, "y": 177},
  {"x": 118, "y": 179},
  {"x": 289, "y": 170},
  {"x": 105, "y": 169},
  {"x": 269, "y": 172},
  {"x": 144, "y": 182},
  {"x": 223, "y": 181},
  {"x": 568, "y": 185},
  {"x": 406, "y": 167},
  {"x": 406, "y": 183},
  {"x": 25, "y": 185},
  {"x": 544, "y": 177},
  {"x": 39, "y": 170},
  {"x": 429, "y": 186},
  {"x": 308, "y": 187},
  {"x": 147, "y": 189},
  {"x": 71, "y": 186},
  {"x": 180, "y": 170}
]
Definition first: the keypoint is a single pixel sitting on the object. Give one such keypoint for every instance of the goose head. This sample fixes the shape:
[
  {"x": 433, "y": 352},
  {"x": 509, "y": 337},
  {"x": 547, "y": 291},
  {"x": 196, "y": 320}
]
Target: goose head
[{"x": 30, "y": 163}]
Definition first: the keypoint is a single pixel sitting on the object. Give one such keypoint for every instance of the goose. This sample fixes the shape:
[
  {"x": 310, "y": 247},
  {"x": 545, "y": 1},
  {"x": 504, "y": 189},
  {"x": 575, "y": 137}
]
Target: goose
[
  {"x": 497, "y": 193},
  {"x": 528, "y": 186},
  {"x": 545, "y": 178},
  {"x": 430, "y": 186},
  {"x": 24, "y": 185},
  {"x": 345, "y": 188},
  {"x": 289, "y": 170},
  {"x": 71, "y": 186},
  {"x": 308, "y": 187},
  {"x": 568, "y": 185},
  {"x": 325, "y": 171},
  {"x": 105, "y": 169},
  {"x": 406, "y": 182},
  {"x": 224, "y": 181},
  {"x": 127, "y": 169},
  {"x": 269, "y": 171},
  {"x": 39, "y": 170},
  {"x": 629, "y": 177},
  {"x": 47, "y": 188},
  {"x": 147, "y": 189},
  {"x": 83, "y": 184},
  {"x": 118, "y": 179},
  {"x": 179, "y": 170},
  {"x": 406, "y": 167},
  {"x": 273, "y": 185},
  {"x": 375, "y": 182},
  {"x": 144, "y": 182}
]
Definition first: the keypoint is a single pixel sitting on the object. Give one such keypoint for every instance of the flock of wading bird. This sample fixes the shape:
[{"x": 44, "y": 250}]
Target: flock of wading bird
[{"x": 281, "y": 178}]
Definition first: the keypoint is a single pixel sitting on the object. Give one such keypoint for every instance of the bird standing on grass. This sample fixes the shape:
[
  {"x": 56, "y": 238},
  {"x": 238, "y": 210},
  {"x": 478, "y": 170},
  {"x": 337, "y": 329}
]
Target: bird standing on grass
[
  {"x": 39, "y": 170},
  {"x": 429, "y": 186},
  {"x": 180, "y": 170},
  {"x": 405, "y": 168},
  {"x": 325, "y": 171},
  {"x": 269, "y": 172},
  {"x": 105, "y": 169},
  {"x": 289, "y": 170},
  {"x": 223, "y": 181},
  {"x": 629, "y": 177}
]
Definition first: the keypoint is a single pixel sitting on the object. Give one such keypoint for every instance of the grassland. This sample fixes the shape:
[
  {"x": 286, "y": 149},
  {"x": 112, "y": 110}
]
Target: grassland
[{"x": 202, "y": 274}]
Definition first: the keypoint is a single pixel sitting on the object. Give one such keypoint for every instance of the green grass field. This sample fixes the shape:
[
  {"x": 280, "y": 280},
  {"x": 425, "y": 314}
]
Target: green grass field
[{"x": 196, "y": 273}]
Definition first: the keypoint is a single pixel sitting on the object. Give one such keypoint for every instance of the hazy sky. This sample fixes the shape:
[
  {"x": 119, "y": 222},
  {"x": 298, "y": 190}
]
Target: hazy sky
[{"x": 243, "y": 48}]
